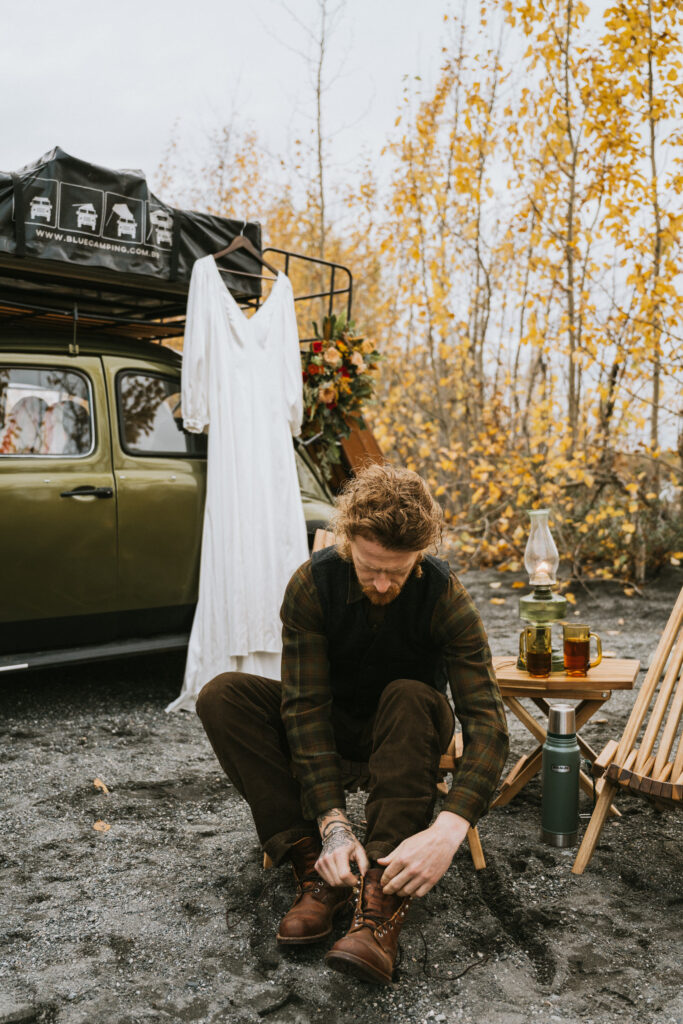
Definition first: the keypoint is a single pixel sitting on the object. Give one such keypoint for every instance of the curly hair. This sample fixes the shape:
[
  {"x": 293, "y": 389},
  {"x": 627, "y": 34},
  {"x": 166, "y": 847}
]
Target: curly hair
[{"x": 390, "y": 505}]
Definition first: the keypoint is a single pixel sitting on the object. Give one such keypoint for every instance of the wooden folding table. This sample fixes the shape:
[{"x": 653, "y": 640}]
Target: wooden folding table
[{"x": 591, "y": 692}]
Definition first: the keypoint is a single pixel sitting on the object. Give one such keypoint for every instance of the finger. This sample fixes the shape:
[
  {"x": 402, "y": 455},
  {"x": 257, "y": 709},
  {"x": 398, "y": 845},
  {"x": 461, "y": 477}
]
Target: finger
[
  {"x": 390, "y": 872},
  {"x": 329, "y": 867},
  {"x": 361, "y": 859},
  {"x": 347, "y": 880},
  {"x": 385, "y": 860},
  {"x": 398, "y": 882},
  {"x": 323, "y": 870},
  {"x": 344, "y": 876},
  {"x": 410, "y": 889}
]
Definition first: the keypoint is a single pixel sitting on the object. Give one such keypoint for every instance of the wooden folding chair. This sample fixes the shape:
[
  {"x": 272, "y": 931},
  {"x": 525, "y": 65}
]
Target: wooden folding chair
[{"x": 655, "y": 768}]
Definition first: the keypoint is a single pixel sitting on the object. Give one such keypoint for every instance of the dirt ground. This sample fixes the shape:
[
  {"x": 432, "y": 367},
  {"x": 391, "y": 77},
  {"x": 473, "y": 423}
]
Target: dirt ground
[{"x": 129, "y": 924}]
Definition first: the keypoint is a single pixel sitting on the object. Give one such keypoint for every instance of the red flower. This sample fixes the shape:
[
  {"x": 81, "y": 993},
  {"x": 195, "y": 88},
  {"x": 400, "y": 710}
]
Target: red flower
[
  {"x": 313, "y": 368},
  {"x": 317, "y": 346},
  {"x": 344, "y": 372},
  {"x": 331, "y": 405}
]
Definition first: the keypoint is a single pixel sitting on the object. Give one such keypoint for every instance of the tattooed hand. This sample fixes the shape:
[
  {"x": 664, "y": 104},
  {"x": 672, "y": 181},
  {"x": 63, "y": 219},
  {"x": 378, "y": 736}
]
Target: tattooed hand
[{"x": 340, "y": 848}]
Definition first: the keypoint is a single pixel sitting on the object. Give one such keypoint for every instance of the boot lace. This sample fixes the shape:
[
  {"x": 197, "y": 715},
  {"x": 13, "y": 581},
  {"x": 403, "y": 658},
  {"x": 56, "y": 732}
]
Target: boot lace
[{"x": 373, "y": 907}]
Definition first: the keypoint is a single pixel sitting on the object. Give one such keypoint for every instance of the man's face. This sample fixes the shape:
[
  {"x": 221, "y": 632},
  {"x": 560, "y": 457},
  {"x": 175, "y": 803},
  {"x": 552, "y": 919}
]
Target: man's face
[{"x": 380, "y": 571}]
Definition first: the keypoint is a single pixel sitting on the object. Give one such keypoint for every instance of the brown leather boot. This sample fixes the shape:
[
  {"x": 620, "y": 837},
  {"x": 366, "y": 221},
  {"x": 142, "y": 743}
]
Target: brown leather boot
[
  {"x": 309, "y": 919},
  {"x": 368, "y": 949}
]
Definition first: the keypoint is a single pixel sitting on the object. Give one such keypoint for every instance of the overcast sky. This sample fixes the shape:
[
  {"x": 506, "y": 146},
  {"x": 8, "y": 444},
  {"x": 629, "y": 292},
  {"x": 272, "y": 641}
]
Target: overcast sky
[{"x": 108, "y": 81}]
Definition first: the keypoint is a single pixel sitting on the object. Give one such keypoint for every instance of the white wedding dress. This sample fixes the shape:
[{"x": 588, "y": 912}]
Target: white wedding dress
[{"x": 242, "y": 375}]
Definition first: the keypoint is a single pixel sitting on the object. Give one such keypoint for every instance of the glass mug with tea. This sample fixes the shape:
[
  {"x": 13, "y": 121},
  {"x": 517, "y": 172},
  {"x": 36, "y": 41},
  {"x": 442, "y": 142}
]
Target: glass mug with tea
[
  {"x": 577, "y": 645},
  {"x": 535, "y": 650}
]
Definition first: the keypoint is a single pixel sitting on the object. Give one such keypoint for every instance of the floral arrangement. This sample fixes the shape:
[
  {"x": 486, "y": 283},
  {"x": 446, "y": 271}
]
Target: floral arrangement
[{"x": 338, "y": 373}]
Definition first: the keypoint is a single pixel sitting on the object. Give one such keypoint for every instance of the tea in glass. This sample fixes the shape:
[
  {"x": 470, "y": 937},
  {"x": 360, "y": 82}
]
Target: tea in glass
[
  {"x": 535, "y": 650},
  {"x": 577, "y": 642}
]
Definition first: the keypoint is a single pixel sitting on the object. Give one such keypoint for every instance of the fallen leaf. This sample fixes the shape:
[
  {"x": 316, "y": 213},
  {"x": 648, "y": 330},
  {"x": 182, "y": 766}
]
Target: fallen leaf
[
  {"x": 570, "y": 597},
  {"x": 609, "y": 654},
  {"x": 101, "y": 826},
  {"x": 518, "y": 585},
  {"x": 613, "y": 632},
  {"x": 629, "y": 591},
  {"x": 620, "y": 622},
  {"x": 600, "y": 721},
  {"x": 494, "y": 586},
  {"x": 98, "y": 784},
  {"x": 497, "y": 600}
]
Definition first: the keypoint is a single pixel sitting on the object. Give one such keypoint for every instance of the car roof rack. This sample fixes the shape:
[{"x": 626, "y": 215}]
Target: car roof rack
[{"x": 62, "y": 296}]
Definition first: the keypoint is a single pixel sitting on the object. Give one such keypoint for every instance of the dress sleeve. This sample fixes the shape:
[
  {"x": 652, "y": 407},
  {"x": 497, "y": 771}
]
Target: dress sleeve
[
  {"x": 457, "y": 628},
  {"x": 291, "y": 355},
  {"x": 196, "y": 348}
]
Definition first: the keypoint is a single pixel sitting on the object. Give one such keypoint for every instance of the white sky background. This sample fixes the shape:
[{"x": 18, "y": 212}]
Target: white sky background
[{"x": 108, "y": 81}]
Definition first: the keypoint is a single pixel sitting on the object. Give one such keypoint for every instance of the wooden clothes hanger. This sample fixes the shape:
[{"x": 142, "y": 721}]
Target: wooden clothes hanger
[{"x": 242, "y": 242}]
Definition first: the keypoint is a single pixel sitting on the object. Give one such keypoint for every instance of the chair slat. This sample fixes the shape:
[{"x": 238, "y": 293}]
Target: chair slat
[
  {"x": 650, "y": 682},
  {"x": 678, "y": 760},
  {"x": 661, "y": 703},
  {"x": 604, "y": 758},
  {"x": 671, "y": 727}
]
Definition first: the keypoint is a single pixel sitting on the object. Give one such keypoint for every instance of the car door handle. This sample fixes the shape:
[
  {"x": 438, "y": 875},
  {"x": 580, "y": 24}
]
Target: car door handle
[{"x": 88, "y": 492}]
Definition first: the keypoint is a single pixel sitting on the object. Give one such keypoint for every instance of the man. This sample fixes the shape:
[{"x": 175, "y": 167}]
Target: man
[{"x": 371, "y": 629}]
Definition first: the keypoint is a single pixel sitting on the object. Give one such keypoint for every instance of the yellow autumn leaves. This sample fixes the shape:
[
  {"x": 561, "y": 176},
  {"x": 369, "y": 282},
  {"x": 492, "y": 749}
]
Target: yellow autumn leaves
[{"x": 516, "y": 253}]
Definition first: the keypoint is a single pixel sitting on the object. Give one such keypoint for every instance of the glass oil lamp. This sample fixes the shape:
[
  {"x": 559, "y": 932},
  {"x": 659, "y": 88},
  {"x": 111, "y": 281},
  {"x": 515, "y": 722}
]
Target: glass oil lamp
[{"x": 542, "y": 607}]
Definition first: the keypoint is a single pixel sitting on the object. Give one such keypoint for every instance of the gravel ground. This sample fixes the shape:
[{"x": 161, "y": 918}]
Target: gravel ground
[{"x": 129, "y": 924}]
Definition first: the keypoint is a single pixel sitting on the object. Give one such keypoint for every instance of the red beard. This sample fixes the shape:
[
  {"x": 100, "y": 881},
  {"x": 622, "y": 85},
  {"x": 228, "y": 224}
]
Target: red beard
[{"x": 387, "y": 597}]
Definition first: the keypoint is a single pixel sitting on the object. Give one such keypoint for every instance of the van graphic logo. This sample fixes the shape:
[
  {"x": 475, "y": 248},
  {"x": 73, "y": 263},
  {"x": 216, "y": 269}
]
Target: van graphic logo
[
  {"x": 40, "y": 207},
  {"x": 86, "y": 216},
  {"x": 80, "y": 208},
  {"x": 126, "y": 223},
  {"x": 41, "y": 202},
  {"x": 124, "y": 218},
  {"x": 160, "y": 231}
]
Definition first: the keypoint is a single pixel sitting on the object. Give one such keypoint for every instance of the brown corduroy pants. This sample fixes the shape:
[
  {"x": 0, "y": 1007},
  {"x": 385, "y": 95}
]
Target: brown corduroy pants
[{"x": 401, "y": 746}]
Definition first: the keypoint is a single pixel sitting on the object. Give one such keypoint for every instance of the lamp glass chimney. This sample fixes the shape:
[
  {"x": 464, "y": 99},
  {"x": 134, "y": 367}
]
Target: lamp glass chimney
[{"x": 541, "y": 557}]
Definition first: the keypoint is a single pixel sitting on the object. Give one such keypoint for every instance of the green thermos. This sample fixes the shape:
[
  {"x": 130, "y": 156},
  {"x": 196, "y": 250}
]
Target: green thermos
[{"x": 560, "y": 815}]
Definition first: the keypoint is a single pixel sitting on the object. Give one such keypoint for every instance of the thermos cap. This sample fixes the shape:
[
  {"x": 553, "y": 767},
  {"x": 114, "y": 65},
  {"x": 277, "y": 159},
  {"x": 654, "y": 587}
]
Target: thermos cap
[{"x": 562, "y": 720}]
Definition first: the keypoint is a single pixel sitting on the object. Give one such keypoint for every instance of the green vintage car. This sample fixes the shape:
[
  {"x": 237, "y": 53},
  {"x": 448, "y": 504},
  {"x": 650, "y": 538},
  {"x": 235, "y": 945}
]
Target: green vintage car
[{"x": 101, "y": 499}]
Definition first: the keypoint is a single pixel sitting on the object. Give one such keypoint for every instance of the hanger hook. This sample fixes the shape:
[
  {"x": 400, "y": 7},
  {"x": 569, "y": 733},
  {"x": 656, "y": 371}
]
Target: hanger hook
[{"x": 244, "y": 224}]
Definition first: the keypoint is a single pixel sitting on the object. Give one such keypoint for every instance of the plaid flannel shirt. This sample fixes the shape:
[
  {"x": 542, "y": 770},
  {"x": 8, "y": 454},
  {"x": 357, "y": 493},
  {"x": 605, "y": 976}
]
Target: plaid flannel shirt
[{"x": 456, "y": 629}]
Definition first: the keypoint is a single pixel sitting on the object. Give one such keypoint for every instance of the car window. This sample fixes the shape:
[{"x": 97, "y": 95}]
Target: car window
[
  {"x": 150, "y": 418},
  {"x": 45, "y": 412},
  {"x": 308, "y": 481}
]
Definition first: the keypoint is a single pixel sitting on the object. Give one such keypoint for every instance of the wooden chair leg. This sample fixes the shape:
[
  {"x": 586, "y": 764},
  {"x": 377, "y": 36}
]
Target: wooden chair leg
[
  {"x": 476, "y": 850},
  {"x": 267, "y": 862},
  {"x": 594, "y": 829}
]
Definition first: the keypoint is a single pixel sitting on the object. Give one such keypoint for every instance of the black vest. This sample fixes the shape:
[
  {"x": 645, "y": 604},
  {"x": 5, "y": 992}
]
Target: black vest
[{"x": 363, "y": 659}]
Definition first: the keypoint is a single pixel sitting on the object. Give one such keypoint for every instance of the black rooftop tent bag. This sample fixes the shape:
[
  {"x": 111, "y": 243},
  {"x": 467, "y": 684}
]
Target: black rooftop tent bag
[{"x": 65, "y": 223}]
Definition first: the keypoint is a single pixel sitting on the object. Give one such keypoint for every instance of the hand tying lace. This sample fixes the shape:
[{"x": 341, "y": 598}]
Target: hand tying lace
[{"x": 340, "y": 849}]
